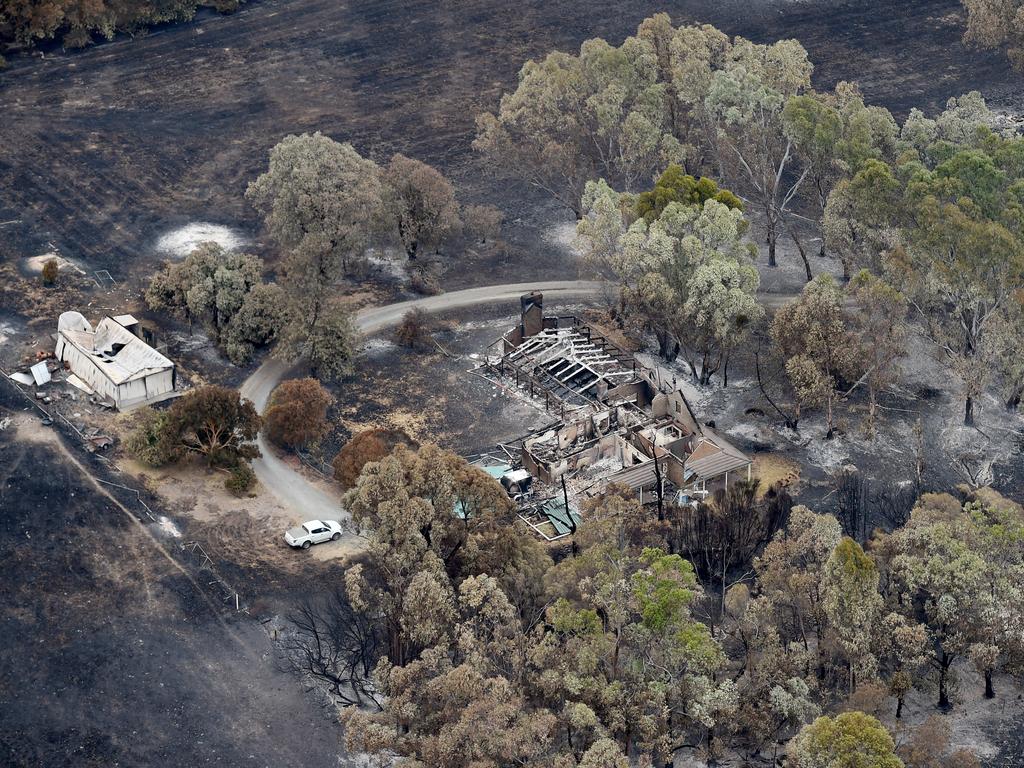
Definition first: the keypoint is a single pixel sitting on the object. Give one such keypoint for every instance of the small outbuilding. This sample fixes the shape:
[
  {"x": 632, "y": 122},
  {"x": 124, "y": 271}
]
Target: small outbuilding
[{"x": 112, "y": 361}]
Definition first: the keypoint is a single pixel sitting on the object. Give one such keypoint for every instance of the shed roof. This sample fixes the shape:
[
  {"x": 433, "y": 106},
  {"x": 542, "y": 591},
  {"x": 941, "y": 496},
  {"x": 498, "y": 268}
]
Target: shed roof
[
  {"x": 121, "y": 355},
  {"x": 497, "y": 471},
  {"x": 564, "y": 521}
]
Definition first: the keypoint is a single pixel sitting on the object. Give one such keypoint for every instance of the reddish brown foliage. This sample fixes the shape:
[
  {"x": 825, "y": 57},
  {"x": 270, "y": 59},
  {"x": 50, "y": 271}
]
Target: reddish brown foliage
[
  {"x": 364, "y": 447},
  {"x": 297, "y": 414}
]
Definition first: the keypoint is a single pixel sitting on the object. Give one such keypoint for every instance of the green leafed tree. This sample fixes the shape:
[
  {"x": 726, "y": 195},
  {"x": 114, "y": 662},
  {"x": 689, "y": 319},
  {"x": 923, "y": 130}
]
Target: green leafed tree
[
  {"x": 322, "y": 202},
  {"x": 210, "y": 286},
  {"x": 213, "y": 422},
  {"x": 878, "y": 324},
  {"x": 324, "y": 337},
  {"x": 573, "y": 118},
  {"x": 676, "y": 186},
  {"x": 624, "y": 642},
  {"x": 224, "y": 291},
  {"x": 834, "y": 133},
  {"x": 853, "y": 605},
  {"x": 811, "y": 335},
  {"x": 420, "y": 511},
  {"x": 747, "y": 99},
  {"x": 953, "y": 210},
  {"x": 995, "y": 24},
  {"x": 256, "y": 324},
  {"x": 422, "y": 202},
  {"x": 689, "y": 274},
  {"x": 942, "y": 574},
  {"x": 848, "y": 740}
]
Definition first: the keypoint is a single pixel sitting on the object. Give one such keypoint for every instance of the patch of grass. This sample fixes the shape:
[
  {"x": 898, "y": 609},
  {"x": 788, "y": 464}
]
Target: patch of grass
[{"x": 772, "y": 468}]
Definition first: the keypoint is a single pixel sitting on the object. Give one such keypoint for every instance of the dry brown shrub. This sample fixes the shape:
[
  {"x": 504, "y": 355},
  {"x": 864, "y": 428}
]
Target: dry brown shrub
[
  {"x": 365, "y": 447},
  {"x": 297, "y": 415}
]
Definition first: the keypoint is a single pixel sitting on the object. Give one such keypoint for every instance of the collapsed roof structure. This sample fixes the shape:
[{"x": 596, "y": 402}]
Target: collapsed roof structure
[
  {"x": 619, "y": 422},
  {"x": 113, "y": 361}
]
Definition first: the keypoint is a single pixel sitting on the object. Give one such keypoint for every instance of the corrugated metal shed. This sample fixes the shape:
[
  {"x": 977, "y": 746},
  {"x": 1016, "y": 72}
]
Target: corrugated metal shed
[
  {"x": 564, "y": 521},
  {"x": 120, "y": 355},
  {"x": 113, "y": 362}
]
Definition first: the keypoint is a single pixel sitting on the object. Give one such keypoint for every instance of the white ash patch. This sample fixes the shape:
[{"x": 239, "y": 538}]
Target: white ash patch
[
  {"x": 762, "y": 434},
  {"x": 193, "y": 342},
  {"x": 503, "y": 323},
  {"x": 921, "y": 367},
  {"x": 167, "y": 526},
  {"x": 198, "y": 344},
  {"x": 389, "y": 262},
  {"x": 7, "y": 331},
  {"x": 563, "y": 235},
  {"x": 377, "y": 346},
  {"x": 975, "y": 451},
  {"x": 828, "y": 455},
  {"x": 33, "y": 265},
  {"x": 180, "y": 242}
]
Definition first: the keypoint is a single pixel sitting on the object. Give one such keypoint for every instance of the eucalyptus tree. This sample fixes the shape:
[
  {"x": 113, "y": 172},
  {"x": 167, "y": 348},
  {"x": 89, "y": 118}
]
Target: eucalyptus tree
[
  {"x": 747, "y": 98},
  {"x": 574, "y": 118},
  {"x": 689, "y": 273}
]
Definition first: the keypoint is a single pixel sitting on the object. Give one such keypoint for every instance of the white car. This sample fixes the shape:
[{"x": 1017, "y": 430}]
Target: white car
[{"x": 313, "y": 532}]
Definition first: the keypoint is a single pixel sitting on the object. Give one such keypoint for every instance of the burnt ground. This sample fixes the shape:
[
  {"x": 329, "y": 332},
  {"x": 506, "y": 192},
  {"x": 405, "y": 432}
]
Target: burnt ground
[
  {"x": 106, "y": 149},
  {"x": 113, "y": 658},
  {"x": 112, "y": 654},
  {"x": 435, "y": 396},
  {"x": 433, "y": 392}
]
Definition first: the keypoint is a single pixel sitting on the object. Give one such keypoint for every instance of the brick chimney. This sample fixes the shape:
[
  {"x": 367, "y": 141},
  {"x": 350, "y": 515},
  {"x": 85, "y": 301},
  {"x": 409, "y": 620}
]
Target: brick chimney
[{"x": 532, "y": 305}]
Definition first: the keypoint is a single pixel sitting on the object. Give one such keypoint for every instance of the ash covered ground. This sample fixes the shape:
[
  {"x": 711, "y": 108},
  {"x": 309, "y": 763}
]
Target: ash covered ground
[
  {"x": 113, "y": 651},
  {"x": 111, "y": 150},
  {"x": 118, "y": 154}
]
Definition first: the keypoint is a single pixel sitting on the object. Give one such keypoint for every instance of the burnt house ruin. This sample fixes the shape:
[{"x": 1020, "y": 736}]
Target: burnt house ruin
[{"x": 618, "y": 422}]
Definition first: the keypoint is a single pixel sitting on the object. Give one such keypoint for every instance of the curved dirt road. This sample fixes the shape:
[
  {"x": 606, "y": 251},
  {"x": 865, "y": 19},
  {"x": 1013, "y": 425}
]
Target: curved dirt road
[{"x": 310, "y": 501}]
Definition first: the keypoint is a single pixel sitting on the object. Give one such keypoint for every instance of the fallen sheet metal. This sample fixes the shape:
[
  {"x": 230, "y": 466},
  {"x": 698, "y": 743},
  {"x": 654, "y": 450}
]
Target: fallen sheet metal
[
  {"x": 40, "y": 373},
  {"x": 22, "y": 378},
  {"x": 74, "y": 381}
]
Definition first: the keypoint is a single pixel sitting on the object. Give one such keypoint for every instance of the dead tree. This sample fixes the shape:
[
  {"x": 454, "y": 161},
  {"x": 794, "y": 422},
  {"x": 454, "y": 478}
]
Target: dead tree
[
  {"x": 721, "y": 538},
  {"x": 892, "y": 503},
  {"x": 335, "y": 645},
  {"x": 852, "y": 492}
]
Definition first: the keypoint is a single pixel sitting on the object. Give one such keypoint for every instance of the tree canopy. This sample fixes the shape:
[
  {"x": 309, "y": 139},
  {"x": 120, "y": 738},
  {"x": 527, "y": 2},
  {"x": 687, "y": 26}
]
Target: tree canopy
[
  {"x": 210, "y": 421},
  {"x": 849, "y": 740},
  {"x": 297, "y": 413},
  {"x": 951, "y": 209},
  {"x": 689, "y": 273},
  {"x": 76, "y": 22},
  {"x": 224, "y": 291}
]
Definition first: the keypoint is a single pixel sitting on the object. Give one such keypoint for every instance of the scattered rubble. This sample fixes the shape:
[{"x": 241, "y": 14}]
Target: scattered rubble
[{"x": 619, "y": 422}]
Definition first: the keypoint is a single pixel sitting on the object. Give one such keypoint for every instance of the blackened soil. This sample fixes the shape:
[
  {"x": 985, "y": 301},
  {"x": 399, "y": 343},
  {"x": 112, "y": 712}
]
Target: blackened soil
[
  {"x": 106, "y": 149},
  {"x": 109, "y": 654}
]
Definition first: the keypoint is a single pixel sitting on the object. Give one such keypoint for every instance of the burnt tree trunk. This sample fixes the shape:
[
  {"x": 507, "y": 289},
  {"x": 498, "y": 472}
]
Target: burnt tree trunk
[
  {"x": 1013, "y": 401},
  {"x": 945, "y": 661}
]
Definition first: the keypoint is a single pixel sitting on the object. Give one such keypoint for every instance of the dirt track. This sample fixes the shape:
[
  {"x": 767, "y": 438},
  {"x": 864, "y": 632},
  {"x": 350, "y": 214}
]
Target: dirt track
[
  {"x": 104, "y": 150},
  {"x": 312, "y": 501}
]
